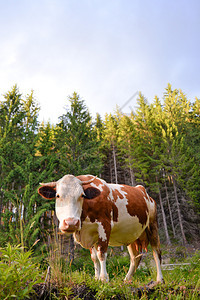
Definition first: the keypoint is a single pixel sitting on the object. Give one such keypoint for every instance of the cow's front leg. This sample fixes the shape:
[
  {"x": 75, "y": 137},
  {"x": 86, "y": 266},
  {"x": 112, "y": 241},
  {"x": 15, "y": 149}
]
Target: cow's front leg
[
  {"x": 104, "y": 229},
  {"x": 95, "y": 260},
  {"x": 102, "y": 255}
]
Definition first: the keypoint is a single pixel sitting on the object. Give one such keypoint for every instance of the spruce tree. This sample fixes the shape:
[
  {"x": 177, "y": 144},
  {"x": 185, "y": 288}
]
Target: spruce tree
[
  {"x": 76, "y": 140},
  {"x": 110, "y": 135},
  {"x": 20, "y": 212},
  {"x": 126, "y": 134},
  {"x": 142, "y": 140}
]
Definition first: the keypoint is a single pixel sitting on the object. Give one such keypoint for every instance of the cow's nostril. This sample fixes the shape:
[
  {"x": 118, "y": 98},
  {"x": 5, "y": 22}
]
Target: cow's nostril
[
  {"x": 66, "y": 222},
  {"x": 77, "y": 223}
]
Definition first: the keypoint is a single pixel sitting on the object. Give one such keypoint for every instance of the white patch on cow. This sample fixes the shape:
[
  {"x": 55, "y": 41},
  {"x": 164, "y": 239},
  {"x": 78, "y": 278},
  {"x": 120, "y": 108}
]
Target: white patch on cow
[
  {"x": 102, "y": 260},
  {"x": 112, "y": 223},
  {"x": 102, "y": 233},
  {"x": 100, "y": 186},
  {"x": 111, "y": 217},
  {"x": 117, "y": 187},
  {"x": 96, "y": 262}
]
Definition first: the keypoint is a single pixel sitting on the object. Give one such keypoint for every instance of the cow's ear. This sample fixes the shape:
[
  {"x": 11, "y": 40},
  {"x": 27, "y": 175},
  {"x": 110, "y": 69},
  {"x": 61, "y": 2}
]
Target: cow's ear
[
  {"x": 47, "y": 192},
  {"x": 91, "y": 193}
]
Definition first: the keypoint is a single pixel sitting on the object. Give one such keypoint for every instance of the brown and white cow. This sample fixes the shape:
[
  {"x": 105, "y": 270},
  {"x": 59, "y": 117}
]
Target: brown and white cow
[{"x": 101, "y": 214}]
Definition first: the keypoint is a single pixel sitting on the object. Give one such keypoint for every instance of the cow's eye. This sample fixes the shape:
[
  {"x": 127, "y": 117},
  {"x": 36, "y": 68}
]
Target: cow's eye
[{"x": 57, "y": 196}]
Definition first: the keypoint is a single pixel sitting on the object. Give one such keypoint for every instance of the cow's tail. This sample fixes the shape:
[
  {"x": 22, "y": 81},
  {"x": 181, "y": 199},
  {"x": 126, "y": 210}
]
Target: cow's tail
[
  {"x": 150, "y": 235},
  {"x": 152, "y": 232}
]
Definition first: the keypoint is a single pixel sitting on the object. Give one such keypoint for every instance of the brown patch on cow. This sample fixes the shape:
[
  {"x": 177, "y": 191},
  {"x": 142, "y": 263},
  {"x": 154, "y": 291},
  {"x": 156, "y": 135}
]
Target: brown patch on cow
[
  {"x": 85, "y": 177},
  {"x": 115, "y": 212},
  {"x": 142, "y": 242},
  {"x": 116, "y": 195},
  {"x": 151, "y": 199},
  {"x": 152, "y": 232},
  {"x": 96, "y": 181},
  {"x": 102, "y": 247},
  {"x": 136, "y": 203},
  {"x": 99, "y": 209}
]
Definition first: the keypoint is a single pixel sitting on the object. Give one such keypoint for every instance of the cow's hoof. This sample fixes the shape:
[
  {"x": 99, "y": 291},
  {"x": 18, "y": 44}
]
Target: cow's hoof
[
  {"x": 151, "y": 284},
  {"x": 127, "y": 281},
  {"x": 162, "y": 281},
  {"x": 104, "y": 279}
]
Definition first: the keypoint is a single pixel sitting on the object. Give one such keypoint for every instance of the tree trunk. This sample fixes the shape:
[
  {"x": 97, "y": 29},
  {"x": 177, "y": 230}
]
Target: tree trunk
[
  {"x": 163, "y": 215},
  {"x": 179, "y": 212},
  {"x": 111, "y": 177},
  {"x": 133, "y": 183},
  {"x": 1, "y": 206},
  {"x": 71, "y": 248},
  {"x": 170, "y": 211},
  {"x": 115, "y": 164}
]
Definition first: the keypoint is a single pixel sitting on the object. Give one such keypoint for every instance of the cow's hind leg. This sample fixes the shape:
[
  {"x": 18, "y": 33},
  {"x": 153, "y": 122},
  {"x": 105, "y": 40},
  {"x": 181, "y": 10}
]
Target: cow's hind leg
[
  {"x": 95, "y": 260},
  {"x": 135, "y": 259},
  {"x": 153, "y": 237},
  {"x": 157, "y": 258}
]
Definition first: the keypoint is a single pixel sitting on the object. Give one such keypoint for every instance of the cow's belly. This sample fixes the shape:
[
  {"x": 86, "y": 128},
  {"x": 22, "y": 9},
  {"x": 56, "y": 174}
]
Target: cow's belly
[{"x": 126, "y": 231}]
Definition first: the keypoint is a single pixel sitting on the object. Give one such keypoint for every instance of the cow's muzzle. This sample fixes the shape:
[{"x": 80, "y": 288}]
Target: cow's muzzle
[{"x": 70, "y": 225}]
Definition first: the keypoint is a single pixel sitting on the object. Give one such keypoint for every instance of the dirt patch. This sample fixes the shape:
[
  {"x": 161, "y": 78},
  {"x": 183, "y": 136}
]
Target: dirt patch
[
  {"x": 82, "y": 291},
  {"x": 44, "y": 292}
]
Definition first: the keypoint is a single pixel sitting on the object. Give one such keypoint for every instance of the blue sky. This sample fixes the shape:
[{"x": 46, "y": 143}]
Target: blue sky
[{"x": 105, "y": 50}]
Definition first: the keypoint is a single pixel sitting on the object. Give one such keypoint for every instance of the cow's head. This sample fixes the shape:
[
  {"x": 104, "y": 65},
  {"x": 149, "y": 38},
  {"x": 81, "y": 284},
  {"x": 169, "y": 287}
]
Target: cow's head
[{"x": 69, "y": 194}]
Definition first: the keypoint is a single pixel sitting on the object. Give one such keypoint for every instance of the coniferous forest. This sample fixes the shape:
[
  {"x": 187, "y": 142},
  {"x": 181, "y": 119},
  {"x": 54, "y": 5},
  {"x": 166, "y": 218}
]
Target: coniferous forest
[{"x": 157, "y": 145}]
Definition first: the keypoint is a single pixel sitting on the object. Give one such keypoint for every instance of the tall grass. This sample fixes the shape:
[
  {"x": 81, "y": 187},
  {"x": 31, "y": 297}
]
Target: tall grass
[
  {"x": 77, "y": 279},
  {"x": 19, "y": 275}
]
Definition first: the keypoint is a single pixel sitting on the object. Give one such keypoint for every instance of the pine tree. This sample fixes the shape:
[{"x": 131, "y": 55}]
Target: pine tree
[
  {"x": 19, "y": 169},
  {"x": 142, "y": 140},
  {"x": 76, "y": 140},
  {"x": 99, "y": 129},
  {"x": 110, "y": 135},
  {"x": 176, "y": 153},
  {"x": 77, "y": 147},
  {"x": 126, "y": 133}
]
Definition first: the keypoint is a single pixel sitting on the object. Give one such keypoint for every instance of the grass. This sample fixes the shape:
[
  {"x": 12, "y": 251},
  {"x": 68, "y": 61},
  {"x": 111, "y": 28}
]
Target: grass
[
  {"x": 76, "y": 281},
  {"x": 20, "y": 274}
]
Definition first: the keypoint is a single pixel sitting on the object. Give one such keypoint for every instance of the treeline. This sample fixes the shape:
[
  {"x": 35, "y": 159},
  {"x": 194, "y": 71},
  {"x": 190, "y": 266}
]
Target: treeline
[{"x": 158, "y": 146}]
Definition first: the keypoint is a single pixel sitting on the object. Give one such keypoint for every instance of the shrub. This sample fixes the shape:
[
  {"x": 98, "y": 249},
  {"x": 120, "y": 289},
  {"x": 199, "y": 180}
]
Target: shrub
[{"x": 18, "y": 272}]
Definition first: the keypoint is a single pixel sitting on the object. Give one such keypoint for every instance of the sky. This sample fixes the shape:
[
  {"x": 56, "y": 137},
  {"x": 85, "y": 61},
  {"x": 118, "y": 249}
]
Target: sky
[{"x": 105, "y": 50}]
